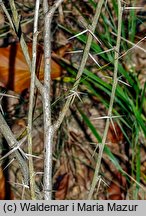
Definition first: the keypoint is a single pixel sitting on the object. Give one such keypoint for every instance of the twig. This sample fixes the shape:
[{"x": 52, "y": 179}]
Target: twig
[
  {"x": 82, "y": 65},
  {"x": 15, "y": 24},
  {"x": 134, "y": 45},
  {"x": 14, "y": 148},
  {"x": 48, "y": 129},
  {"x": 24, "y": 47},
  {"x": 115, "y": 81},
  {"x": 31, "y": 98},
  {"x": 7, "y": 14},
  {"x": 12, "y": 142}
]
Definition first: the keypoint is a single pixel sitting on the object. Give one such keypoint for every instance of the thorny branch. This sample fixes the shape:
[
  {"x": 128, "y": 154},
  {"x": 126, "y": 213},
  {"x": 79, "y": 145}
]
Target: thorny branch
[
  {"x": 31, "y": 98},
  {"x": 48, "y": 128},
  {"x": 15, "y": 24},
  {"x": 82, "y": 65},
  {"x": 115, "y": 81},
  {"x": 9, "y": 136},
  {"x": 44, "y": 90}
]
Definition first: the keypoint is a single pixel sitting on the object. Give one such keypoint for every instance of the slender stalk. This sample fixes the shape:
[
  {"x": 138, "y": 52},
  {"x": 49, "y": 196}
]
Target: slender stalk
[
  {"x": 48, "y": 129},
  {"x": 7, "y": 14},
  {"x": 82, "y": 65},
  {"x": 16, "y": 24},
  {"x": 115, "y": 81},
  {"x": 12, "y": 142},
  {"x": 31, "y": 99}
]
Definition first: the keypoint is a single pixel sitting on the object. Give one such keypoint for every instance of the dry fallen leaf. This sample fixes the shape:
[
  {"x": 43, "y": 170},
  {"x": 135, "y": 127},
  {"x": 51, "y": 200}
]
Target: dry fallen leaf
[
  {"x": 14, "y": 72},
  {"x": 117, "y": 189}
]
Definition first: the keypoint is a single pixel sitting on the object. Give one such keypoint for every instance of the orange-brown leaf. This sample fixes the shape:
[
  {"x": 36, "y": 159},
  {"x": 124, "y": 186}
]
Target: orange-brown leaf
[{"x": 14, "y": 72}]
